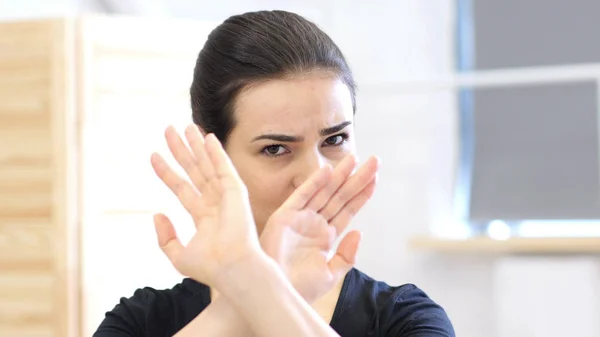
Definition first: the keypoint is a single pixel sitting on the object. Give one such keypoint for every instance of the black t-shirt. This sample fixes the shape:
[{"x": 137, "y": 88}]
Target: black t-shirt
[{"x": 366, "y": 307}]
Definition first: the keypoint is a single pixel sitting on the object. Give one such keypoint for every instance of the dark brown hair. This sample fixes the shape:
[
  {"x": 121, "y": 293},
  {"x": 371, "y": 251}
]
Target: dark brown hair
[{"x": 255, "y": 47}]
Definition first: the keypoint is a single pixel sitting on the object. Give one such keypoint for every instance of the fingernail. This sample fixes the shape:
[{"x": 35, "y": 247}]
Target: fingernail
[
  {"x": 168, "y": 129},
  {"x": 190, "y": 131},
  {"x": 155, "y": 160},
  {"x": 213, "y": 139},
  {"x": 377, "y": 161}
]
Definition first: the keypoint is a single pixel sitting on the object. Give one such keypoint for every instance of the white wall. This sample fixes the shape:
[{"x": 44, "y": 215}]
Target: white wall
[
  {"x": 415, "y": 135},
  {"x": 11, "y": 10}
]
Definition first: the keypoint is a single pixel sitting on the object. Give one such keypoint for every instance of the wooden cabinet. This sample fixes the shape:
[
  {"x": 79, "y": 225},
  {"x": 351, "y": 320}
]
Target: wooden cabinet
[{"x": 83, "y": 103}]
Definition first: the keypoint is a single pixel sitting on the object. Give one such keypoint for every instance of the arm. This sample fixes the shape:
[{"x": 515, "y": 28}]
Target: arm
[
  {"x": 256, "y": 296},
  {"x": 259, "y": 291},
  {"x": 218, "y": 319}
]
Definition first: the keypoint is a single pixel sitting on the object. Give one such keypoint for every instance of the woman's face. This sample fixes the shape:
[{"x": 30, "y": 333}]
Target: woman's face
[{"x": 285, "y": 130}]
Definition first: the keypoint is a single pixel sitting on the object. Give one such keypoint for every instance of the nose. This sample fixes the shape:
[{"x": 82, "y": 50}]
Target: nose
[{"x": 307, "y": 165}]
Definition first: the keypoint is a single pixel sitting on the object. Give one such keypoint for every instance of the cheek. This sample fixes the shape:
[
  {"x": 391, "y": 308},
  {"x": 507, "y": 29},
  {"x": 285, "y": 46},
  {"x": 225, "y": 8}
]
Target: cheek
[{"x": 264, "y": 187}]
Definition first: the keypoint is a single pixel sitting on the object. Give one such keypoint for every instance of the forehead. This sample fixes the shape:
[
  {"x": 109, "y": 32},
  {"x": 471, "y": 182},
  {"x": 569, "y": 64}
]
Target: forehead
[{"x": 294, "y": 104}]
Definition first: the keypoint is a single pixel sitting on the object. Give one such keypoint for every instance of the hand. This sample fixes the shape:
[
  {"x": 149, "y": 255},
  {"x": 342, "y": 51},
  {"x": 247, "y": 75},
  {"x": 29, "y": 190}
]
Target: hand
[
  {"x": 300, "y": 234},
  {"x": 296, "y": 235},
  {"x": 225, "y": 227}
]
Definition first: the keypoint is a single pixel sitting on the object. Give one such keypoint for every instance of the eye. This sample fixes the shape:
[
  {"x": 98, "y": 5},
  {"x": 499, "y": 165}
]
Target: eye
[
  {"x": 274, "y": 150},
  {"x": 336, "y": 140}
]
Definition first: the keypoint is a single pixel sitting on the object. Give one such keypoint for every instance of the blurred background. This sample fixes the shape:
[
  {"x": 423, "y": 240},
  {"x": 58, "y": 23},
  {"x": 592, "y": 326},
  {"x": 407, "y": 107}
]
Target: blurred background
[{"x": 485, "y": 114}]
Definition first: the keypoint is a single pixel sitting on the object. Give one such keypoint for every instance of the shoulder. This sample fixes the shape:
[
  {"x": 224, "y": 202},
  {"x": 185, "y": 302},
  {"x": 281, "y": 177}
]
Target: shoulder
[
  {"x": 403, "y": 310},
  {"x": 151, "y": 312}
]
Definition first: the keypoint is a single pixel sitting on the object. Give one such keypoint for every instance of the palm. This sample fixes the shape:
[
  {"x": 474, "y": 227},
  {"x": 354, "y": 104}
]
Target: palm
[
  {"x": 300, "y": 234},
  {"x": 303, "y": 230},
  {"x": 306, "y": 260},
  {"x": 300, "y": 242},
  {"x": 197, "y": 249},
  {"x": 309, "y": 251},
  {"x": 225, "y": 228}
]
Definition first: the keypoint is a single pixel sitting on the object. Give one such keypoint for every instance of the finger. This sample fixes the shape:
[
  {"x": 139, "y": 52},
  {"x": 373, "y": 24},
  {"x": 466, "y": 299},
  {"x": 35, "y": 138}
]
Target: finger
[
  {"x": 188, "y": 196},
  {"x": 341, "y": 172},
  {"x": 351, "y": 187},
  {"x": 223, "y": 168},
  {"x": 184, "y": 157},
  {"x": 345, "y": 256},
  {"x": 303, "y": 194},
  {"x": 341, "y": 220},
  {"x": 198, "y": 145},
  {"x": 168, "y": 241},
  {"x": 173, "y": 180}
]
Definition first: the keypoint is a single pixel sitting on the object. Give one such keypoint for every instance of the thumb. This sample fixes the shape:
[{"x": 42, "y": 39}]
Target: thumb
[
  {"x": 168, "y": 241},
  {"x": 345, "y": 256}
]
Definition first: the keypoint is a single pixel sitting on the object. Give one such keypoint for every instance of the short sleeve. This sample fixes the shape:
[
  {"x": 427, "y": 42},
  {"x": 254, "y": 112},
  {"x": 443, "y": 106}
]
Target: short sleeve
[
  {"x": 128, "y": 317},
  {"x": 411, "y": 313},
  {"x": 155, "y": 313}
]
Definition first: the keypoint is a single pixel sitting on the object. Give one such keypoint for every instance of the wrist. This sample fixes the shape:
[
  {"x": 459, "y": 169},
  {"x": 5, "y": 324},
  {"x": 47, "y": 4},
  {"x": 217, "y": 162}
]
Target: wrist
[
  {"x": 242, "y": 275},
  {"x": 260, "y": 292}
]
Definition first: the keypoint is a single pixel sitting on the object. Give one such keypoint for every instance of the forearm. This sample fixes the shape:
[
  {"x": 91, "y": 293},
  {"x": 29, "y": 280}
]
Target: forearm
[
  {"x": 218, "y": 319},
  {"x": 258, "y": 289}
]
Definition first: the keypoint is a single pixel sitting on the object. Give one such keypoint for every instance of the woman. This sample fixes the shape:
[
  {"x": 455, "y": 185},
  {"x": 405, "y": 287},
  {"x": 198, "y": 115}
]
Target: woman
[{"x": 277, "y": 93}]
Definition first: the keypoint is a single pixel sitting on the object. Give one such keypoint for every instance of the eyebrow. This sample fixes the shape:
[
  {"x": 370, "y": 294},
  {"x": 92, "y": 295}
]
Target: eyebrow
[
  {"x": 294, "y": 139},
  {"x": 334, "y": 129}
]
